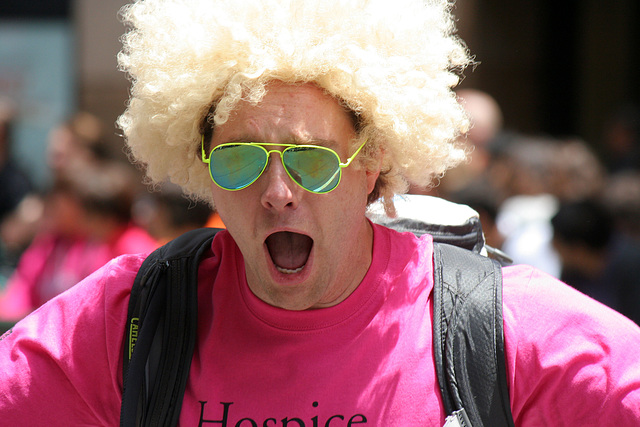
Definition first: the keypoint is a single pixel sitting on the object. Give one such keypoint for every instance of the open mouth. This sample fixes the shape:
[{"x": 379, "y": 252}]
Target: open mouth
[{"x": 289, "y": 251}]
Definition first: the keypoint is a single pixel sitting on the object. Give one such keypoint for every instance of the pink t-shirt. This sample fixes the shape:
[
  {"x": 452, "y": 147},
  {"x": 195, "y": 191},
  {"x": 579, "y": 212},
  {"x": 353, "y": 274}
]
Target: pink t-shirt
[{"x": 367, "y": 361}]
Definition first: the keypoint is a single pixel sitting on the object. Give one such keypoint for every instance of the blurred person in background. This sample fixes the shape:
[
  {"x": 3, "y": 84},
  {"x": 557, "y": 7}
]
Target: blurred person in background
[
  {"x": 14, "y": 182},
  {"x": 76, "y": 141},
  {"x": 87, "y": 222},
  {"x": 485, "y": 200},
  {"x": 621, "y": 139},
  {"x": 470, "y": 183},
  {"x": 524, "y": 216},
  {"x": 579, "y": 173},
  {"x": 599, "y": 244},
  {"x": 582, "y": 235},
  {"x": 86, "y": 219},
  {"x": 622, "y": 199},
  {"x": 486, "y": 125},
  {"x": 167, "y": 213},
  {"x": 107, "y": 193},
  {"x": 15, "y": 187},
  {"x": 59, "y": 254},
  {"x": 541, "y": 173}
]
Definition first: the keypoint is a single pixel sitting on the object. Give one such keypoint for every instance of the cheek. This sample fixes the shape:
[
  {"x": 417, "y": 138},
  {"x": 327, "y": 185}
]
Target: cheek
[
  {"x": 234, "y": 217},
  {"x": 225, "y": 205},
  {"x": 346, "y": 205},
  {"x": 238, "y": 210},
  {"x": 357, "y": 183}
]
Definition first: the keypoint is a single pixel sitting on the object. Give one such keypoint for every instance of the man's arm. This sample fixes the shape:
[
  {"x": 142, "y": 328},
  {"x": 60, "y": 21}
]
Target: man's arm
[
  {"x": 570, "y": 359},
  {"x": 61, "y": 365}
]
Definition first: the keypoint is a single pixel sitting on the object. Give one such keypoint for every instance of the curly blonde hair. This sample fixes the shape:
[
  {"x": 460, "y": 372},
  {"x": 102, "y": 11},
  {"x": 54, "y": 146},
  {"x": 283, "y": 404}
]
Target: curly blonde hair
[{"x": 393, "y": 63}]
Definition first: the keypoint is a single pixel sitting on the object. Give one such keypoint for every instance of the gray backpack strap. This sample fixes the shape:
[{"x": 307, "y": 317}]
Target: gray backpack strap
[{"x": 468, "y": 337}]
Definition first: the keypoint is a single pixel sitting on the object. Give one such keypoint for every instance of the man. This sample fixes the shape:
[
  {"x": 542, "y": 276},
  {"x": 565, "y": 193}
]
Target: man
[{"x": 309, "y": 315}]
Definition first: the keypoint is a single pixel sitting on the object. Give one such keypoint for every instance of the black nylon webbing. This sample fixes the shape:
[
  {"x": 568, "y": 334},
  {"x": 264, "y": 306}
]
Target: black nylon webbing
[
  {"x": 163, "y": 314},
  {"x": 468, "y": 336}
]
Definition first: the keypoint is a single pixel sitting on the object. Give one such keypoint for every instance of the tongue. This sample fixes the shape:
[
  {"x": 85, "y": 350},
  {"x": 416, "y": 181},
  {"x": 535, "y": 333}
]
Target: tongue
[{"x": 289, "y": 250}]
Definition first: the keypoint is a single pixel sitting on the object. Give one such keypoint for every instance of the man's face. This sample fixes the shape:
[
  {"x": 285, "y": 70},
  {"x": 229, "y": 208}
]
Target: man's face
[{"x": 301, "y": 250}]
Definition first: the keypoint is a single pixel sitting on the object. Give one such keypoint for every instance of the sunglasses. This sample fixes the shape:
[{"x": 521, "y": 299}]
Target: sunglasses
[{"x": 237, "y": 165}]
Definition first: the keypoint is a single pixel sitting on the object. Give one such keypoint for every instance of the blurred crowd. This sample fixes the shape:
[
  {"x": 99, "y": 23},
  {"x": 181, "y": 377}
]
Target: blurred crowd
[
  {"x": 554, "y": 203},
  {"x": 94, "y": 209}
]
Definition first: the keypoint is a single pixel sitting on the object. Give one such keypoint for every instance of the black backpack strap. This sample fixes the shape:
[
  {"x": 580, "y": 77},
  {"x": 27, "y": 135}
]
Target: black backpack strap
[
  {"x": 160, "y": 332},
  {"x": 468, "y": 337}
]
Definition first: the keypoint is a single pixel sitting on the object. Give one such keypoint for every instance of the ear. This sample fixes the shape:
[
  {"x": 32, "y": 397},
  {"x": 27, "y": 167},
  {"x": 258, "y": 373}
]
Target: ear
[{"x": 374, "y": 172}]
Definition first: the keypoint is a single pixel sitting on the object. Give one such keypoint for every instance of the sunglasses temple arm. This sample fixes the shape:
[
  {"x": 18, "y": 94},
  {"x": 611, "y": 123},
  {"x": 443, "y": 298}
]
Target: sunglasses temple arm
[
  {"x": 204, "y": 159},
  {"x": 350, "y": 159},
  {"x": 343, "y": 165}
]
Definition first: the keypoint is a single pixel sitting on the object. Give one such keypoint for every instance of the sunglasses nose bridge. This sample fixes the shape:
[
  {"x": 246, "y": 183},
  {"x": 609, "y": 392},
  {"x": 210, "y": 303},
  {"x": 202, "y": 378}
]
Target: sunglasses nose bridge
[
  {"x": 269, "y": 152},
  {"x": 278, "y": 152}
]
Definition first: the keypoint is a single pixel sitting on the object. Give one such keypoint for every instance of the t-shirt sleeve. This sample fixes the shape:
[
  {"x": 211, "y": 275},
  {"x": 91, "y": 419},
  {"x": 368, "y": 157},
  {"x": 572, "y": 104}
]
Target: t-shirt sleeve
[
  {"x": 61, "y": 365},
  {"x": 570, "y": 360}
]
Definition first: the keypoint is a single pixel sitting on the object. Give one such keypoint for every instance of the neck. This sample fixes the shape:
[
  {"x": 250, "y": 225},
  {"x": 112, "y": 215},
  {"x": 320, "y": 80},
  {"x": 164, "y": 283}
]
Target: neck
[{"x": 356, "y": 269}]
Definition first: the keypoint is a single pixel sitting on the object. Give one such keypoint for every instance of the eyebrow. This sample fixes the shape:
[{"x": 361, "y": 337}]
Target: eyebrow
[{"x": 329, "y": 143}]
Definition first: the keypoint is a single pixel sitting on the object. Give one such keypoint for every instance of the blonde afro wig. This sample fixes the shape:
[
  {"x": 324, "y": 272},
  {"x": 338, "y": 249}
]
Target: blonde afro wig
[{"x": 393, "y": 63}]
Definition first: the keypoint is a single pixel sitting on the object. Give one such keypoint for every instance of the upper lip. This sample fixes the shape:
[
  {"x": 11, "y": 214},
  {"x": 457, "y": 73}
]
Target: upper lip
[{"x": 287, "y": 229}]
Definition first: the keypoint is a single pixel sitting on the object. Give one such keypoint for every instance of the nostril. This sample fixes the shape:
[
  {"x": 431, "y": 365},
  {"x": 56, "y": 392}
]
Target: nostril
[{"x": 271, "y": 205}]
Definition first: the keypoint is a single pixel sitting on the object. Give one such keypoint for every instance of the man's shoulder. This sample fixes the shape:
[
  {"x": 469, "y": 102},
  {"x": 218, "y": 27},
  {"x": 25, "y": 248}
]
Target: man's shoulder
[
  {"x": 122, "y": 265},
  {"x": 110, "y": 285},
  {"x": 527, "y": 289},
  {"x": 533, "y": 299},
  {"x": 570, "y": 349}
]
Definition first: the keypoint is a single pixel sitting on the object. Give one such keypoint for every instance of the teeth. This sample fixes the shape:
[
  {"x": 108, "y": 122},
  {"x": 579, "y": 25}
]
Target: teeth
[{"x": 288, "y": 271}]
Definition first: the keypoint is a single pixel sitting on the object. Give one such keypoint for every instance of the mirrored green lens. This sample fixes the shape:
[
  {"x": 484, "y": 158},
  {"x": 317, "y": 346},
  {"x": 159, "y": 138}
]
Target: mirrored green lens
[
  {"x": 234, "y": 167},
  {"x": 316, "y": 169}
]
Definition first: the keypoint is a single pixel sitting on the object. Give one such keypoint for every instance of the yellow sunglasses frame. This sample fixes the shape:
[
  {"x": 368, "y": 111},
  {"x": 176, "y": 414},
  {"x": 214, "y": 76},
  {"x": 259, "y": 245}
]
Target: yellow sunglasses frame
[{"x": 207, "y": 160}]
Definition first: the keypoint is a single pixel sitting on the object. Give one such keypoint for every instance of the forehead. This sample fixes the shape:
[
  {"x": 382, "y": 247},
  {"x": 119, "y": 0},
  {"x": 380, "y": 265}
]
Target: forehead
[{"x": 288, "y": 113}]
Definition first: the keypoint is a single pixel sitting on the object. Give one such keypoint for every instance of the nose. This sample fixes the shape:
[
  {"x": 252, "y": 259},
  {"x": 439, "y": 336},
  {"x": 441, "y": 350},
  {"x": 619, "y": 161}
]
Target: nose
[{"x": 280, "y": 192}]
